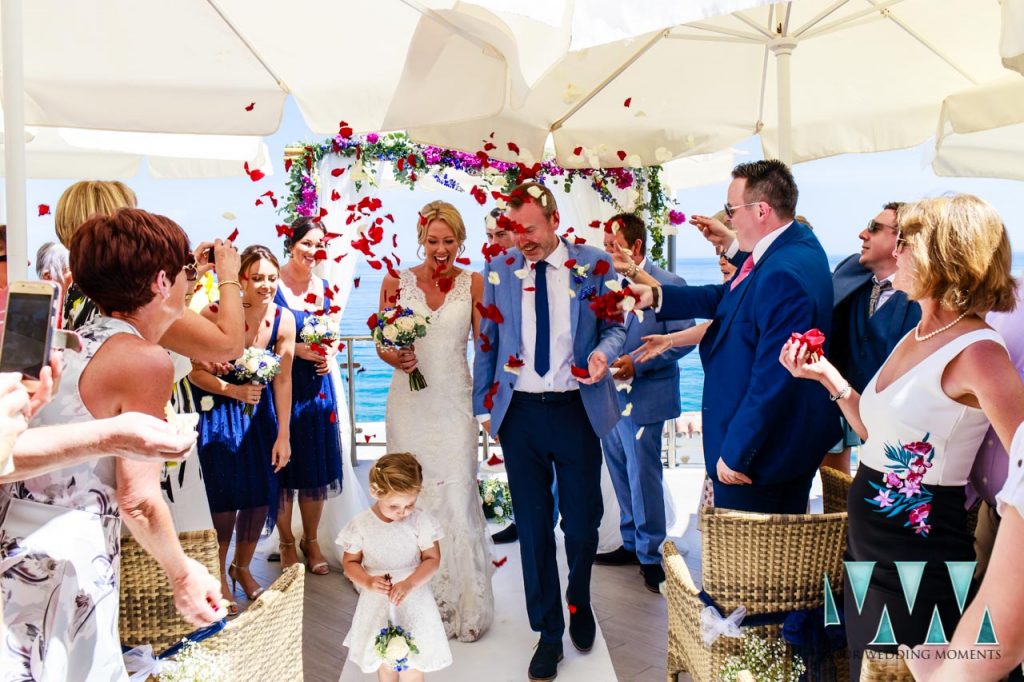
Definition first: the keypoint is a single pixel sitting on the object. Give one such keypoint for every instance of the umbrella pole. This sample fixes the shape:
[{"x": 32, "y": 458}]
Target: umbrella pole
[
  {"x": 783, "y": 50},
  {"x": 14, "y": 139}
]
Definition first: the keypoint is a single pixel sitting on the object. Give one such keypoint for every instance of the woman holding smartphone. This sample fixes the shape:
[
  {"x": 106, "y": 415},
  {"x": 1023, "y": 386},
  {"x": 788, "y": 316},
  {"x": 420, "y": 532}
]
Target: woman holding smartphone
[{"x": 61, "y": 530}]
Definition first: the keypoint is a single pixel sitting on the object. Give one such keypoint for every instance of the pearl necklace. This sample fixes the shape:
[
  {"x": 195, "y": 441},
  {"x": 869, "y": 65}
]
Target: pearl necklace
[{"x": 917, "y": 329}]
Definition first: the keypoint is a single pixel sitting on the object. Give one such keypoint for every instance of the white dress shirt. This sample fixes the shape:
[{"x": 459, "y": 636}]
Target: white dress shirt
[{"x": 559, "y": 378}]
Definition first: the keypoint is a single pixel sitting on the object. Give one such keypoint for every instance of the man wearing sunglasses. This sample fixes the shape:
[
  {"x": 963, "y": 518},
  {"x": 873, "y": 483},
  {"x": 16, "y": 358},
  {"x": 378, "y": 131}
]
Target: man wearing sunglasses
[
  {"x": 764, "y": 433},
  {"x": 870, "y": 317}
]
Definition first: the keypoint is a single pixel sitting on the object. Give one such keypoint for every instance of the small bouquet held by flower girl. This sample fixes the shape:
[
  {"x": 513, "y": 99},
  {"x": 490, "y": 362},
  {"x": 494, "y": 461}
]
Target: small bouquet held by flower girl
[
  {"x": 395, "y": 644},
  {"x": 257, "y": 366},
  {"x": 320, "y": 332},
  {"x": 398, "y": 327}
]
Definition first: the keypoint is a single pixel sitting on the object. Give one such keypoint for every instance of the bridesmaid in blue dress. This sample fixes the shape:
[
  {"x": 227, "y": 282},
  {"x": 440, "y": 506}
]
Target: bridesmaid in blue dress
[
  {"x": 315, "y": 470},
  {"x": 241, "y": 454}
]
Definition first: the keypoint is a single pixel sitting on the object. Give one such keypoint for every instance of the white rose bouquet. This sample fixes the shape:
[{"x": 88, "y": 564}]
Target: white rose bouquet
[
  {"x": 496, "y": 498},
  {"x": 394, "y": 645},
  {"x": 399, "y": 327},
  {"x": 319, "y": 331},
  {"x": 257, "y": 366}
]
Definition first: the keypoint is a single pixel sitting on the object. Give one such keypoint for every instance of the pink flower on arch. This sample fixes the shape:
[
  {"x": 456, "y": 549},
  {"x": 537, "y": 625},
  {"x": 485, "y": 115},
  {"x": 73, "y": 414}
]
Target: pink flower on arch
[
  {"x": 918, "y": 515},
  {"x": 883, "y": 499}
]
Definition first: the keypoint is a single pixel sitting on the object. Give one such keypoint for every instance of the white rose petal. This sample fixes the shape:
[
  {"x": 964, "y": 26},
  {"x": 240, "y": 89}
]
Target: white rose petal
[
  {"x": 627, "y": 304},
  {"x": 640, "y": 113},
  {"x": 628, "y": 411},
  {"x": 511, "y": 370},
  {"x": 572, "y": 293},
  {"x": 228, "y": 215},
  {"x": 491, "y": 223},
  {"x": 522, "y": 273},
  {"x": 501, "y": 205},
  {"x": 613, "y": 285},
  {"x": 493, "y": 278},
  {"x": 639, "y": 433},
  {"x": 572, "y": 93},
  {"x": 535, "y": 192},
  {"x": 639, "y": 314},
  {"x": 206, "y": 403}
]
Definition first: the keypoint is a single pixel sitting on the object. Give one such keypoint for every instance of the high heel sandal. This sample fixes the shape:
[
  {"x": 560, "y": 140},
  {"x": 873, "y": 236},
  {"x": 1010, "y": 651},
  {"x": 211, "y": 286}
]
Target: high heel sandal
[
  {"x": 287, "y": 545},
  {"x": 233, "y": 572},
  {"x": 230, "y": 605},
  {"x": 319, "y": 568}
]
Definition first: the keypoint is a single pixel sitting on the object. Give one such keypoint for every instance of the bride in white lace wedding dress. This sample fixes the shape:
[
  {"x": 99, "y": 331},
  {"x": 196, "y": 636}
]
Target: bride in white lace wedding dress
[{"x": 437, "y": 424}]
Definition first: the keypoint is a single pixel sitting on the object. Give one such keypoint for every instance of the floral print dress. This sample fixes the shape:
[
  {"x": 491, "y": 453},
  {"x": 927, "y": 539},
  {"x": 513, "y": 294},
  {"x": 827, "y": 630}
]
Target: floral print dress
[
  {"x": 906, "y": 504},
  {"x": 60, "y": 552}
]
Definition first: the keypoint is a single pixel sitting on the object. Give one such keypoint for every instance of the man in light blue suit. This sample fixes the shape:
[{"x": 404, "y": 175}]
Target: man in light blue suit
[
  {"x": 541, "y": 386},
  {"x": 633, "y": 448}
]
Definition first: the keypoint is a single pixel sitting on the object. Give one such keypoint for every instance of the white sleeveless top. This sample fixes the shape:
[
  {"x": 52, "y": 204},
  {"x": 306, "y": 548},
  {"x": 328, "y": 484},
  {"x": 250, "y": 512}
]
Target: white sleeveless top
[
  {"x": 1013, "y": 490},
  {"x": 914, "y": 412}
]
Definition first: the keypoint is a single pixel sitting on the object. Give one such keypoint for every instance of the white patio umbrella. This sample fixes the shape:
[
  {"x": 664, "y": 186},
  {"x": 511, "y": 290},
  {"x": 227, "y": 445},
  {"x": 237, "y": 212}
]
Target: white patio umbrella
[
  {"x": 78, "y": 153},
  {"x": 1011, "y": 46},
  {"x": 813, "y": 77},
  {"x": 981, "y": 132}
]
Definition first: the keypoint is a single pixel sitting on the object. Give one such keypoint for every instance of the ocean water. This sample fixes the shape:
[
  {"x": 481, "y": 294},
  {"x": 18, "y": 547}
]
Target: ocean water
[{"x": 374, "y": 375}]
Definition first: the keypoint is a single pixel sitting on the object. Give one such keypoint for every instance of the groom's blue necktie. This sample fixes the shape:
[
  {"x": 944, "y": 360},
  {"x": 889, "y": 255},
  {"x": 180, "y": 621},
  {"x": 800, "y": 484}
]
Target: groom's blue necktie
[{"x": 542, "y": 345}]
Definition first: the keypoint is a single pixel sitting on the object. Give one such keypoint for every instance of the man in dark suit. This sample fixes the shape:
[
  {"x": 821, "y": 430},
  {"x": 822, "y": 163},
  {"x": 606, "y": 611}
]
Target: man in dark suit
[
  {"x": 648, "y": 396},
  {"x": 869, "y": 317},
  {"x": 764, "y": 433}
]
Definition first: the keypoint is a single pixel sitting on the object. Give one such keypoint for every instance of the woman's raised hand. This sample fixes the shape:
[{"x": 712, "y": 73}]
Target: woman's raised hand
[
  {"x": 653, "y": 346},
  {"x": 802, "y": 363}
]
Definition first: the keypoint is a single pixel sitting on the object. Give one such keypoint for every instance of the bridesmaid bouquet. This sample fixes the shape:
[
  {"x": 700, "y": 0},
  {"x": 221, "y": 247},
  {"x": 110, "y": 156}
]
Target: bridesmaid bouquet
[
  {"x": 497, "y": 500},
  {"x": 319, "y": 331},
  {"x": 398, "y": 327},
  {"x": 257, "y": 366}
]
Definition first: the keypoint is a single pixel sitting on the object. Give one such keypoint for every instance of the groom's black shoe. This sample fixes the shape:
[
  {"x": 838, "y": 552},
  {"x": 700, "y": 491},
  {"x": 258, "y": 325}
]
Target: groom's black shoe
[
  {"x": 582, "y": 627},
  {"x": 544, "y": 664},
  {"x": 654, "y": 576},
  {"x": 507, "y": 534},
  {"x": 617, "y": 557}
]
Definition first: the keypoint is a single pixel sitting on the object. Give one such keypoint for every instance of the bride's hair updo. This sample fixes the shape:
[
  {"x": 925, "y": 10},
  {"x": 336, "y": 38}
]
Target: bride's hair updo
[
  {"x": 445, "y": 212},
  {"x": 396, "y": 473}
]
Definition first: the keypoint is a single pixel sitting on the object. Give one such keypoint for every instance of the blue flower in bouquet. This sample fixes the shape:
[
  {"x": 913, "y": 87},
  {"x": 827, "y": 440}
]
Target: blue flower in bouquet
[
  {"x": 394, "y": 645},
  {"x": 320, "y": 330},
  {"x": 398, "y": 327}
]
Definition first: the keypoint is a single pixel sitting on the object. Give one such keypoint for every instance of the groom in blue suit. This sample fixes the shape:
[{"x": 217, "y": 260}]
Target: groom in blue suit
[
  {"x": 541, "y": 387},
  {"x": 764, "y": 433},
  {"x": 648, "y": 397}
]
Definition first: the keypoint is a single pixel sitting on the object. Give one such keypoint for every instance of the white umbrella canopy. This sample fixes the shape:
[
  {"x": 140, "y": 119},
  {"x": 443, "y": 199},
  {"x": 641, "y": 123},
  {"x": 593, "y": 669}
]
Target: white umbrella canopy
[
  {"x": 1011, "y": 46},
  {"x": 814, "y": 77},
  {"x": 59, "y": 153},
  {"x": 981, "y": 132}
]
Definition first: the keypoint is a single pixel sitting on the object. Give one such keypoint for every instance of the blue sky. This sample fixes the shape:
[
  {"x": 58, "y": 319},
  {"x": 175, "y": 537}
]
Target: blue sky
[{"x": 838, "y": 195}]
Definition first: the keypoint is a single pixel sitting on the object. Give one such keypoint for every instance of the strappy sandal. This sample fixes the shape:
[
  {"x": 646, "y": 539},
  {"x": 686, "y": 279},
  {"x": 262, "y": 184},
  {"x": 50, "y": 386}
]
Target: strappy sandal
[
  {"x": 319, "y": 568},
  {"x": 287, "y": 545},
  {"x": 233, "y": 572}
]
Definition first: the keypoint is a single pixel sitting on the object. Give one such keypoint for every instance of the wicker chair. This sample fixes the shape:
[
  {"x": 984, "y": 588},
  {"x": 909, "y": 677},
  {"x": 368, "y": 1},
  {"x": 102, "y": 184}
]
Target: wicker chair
[
  {"x": 885, "y": 669},
  {"x": 835, "y": 486},
  {"x": 267, "y": 638},
  {"x": 765, "y": 562},
  {"x": 148, "y": 615}
]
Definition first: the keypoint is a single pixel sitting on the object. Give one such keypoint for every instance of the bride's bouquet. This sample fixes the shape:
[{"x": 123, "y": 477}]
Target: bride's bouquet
[
  {"x": 257, "y": 366},
  {"x": 320, "y": 332},
  {"x": 398, "y": 327}
]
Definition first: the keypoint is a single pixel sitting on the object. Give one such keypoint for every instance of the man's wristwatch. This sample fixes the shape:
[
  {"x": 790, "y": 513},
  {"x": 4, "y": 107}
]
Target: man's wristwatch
[{"x": 655, "y": 297}]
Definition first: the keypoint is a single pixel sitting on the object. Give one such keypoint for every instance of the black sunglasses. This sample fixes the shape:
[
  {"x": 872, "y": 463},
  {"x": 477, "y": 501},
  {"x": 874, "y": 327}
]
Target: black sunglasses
[{"x": 874, "y": 226}]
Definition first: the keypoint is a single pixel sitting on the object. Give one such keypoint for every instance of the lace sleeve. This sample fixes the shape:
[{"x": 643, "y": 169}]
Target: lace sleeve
[
  {"x": 428, "y": 530},
  {"x": 1013, "y": 490},
  {"x": 350, "y": 539}
]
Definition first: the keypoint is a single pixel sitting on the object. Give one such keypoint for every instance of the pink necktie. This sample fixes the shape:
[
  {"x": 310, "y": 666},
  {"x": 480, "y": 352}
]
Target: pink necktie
[{"x": 745, "y": 269}]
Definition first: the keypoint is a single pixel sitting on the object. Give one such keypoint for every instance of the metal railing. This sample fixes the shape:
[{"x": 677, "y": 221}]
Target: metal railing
[{"x": 349, "y": 367}]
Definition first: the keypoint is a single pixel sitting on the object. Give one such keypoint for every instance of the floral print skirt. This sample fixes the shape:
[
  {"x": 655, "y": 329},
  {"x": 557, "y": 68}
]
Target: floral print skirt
[
  {"x": 59, "y": 581},
  {"x": 886, "y": 534}
]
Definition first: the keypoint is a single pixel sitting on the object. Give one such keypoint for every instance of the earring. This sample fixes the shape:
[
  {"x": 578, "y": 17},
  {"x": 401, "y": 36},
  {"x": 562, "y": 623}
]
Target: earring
[
  {"x": 419, "y": 255},
  {"x": 462, "y": 248}
]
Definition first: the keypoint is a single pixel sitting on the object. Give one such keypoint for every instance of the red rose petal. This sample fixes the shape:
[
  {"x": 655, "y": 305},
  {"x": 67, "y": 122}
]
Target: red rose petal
[
  {"x": 233, "y": 236},
  {"x": 310, "y": 298},
  {"x": 479, "y": 195},
  {"x": 601, "y": 267},
  {"x": 252, "y": 105},
  {"x": 513, "y": 147},
  {"x": 284, "y": 230},
  {"x": 334, "y": 417},
  {"x": 579, "y": 372},
  {"x": 355, "y": 282},
  {"x": 629, "y": 100},
  {"x": 337, "y": 172},
  {"x": 572, "y": 609},
  {"x": 44, "y": 209},
  {"x": 621, "y": 154},
  {"x": 489, "y": 398},
  {"x": 494, "y": 461},
  {"x": 255, "y": 174},
  {"x": 499, "y": 562},
  {"x": 463, "y": 261},
  {"x": 577, "y": 151}
]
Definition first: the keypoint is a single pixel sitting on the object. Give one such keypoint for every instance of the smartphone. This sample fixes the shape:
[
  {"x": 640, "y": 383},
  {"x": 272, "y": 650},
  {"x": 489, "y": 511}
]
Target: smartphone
[
  {"x": 29, "y": 326},
  {"x": 210, "y": 256}
]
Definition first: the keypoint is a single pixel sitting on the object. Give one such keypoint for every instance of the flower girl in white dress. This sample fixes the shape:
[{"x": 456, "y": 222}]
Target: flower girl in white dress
[{"x": 391, "y": 553}]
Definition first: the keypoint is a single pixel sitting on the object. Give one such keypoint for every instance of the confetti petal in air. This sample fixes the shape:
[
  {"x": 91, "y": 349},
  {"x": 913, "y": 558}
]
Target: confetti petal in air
[
  {"x": 44, "y": 209},
  {"x": 254, "y": 174},
  {"x": 250, "y": 106}
]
